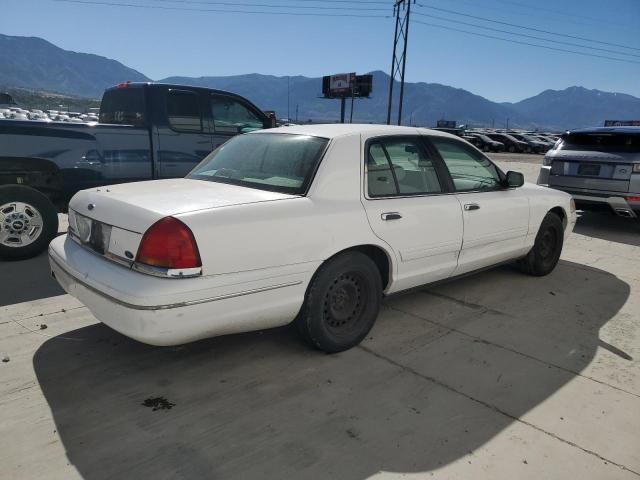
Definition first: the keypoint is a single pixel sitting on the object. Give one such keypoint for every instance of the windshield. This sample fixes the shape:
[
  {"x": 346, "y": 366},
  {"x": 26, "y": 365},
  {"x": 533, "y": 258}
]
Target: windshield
[
  {"x": 602, "y": 142},
  {"x": 267, "y": 161}
]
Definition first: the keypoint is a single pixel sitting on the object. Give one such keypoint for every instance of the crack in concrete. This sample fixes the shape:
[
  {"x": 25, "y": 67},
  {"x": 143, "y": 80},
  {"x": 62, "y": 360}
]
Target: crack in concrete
[
  {"x": 497, "y": 345},
  {"x": 493, "y": 408}
]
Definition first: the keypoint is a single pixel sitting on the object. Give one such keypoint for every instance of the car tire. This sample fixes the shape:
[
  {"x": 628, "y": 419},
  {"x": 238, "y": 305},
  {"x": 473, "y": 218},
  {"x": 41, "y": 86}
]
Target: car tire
[
  {"x": 341, "y": 304},
  {"x": 28, "y": 222},
  {"x": 486, "y": 148},
  {"x": 544, "y": 256},
  {"x": 512, "y": 149}
]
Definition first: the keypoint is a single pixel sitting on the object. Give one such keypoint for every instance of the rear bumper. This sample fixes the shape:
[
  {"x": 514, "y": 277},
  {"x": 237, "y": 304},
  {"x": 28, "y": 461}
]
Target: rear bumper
[
  {"x": 175, "y": 311},
  {"x": 586, "y": 198}
]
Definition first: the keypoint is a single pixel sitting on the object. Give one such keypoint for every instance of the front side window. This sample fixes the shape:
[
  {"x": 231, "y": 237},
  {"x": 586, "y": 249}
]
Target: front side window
[
  {"x": 232, "y": 117},
  {"x": 270, "y": 161},
  {"x": 400, "y": 167},
  {"x": 183, "y": 111},
  {"x": 469, "y": 169}
]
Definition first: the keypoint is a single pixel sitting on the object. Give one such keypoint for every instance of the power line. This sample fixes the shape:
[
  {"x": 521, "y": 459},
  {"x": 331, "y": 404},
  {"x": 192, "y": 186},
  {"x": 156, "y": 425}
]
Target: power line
[
  {"x": 526, "y": 43},
  {"x": 460, "y": 22},
  {"x": 271, "y": 5},
  {"x": 484, "y": 19},
  {"x": 564, "y": 13},
  {"x": 219, "y": 10}
]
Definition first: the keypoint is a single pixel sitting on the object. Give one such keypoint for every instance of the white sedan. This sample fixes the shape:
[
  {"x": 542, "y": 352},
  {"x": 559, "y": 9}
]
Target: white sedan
[{"x": 306, "y": 224}]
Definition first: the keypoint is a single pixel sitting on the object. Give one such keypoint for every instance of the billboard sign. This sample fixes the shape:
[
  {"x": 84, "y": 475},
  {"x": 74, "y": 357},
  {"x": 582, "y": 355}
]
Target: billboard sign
[
  {"x": 447, "y": 124},
  {"x": 622, "y": 123},
  {"x": 341, "y": 83}
]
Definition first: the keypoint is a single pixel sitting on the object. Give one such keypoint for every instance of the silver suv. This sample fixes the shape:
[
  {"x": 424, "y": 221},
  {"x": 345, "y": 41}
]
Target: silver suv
[{"x": 599, "y": 167}]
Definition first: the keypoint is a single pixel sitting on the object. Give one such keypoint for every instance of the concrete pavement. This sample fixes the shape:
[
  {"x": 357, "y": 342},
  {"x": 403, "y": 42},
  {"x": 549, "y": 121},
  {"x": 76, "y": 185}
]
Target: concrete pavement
[{"x": 495, "y": 376}]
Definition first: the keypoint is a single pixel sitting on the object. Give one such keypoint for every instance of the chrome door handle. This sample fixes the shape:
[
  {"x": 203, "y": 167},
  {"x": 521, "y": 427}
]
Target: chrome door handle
[
  {"x": 391, "y": 216},
  {"x": 471, "y": 206}
]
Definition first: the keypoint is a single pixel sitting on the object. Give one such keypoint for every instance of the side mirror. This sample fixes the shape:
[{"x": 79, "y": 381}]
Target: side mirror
[{"x": 514, "y": 179}]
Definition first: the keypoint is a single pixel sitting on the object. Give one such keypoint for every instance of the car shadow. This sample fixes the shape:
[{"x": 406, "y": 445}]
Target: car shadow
[
  {"x": 263, "y": 405},
  {"x": 27, "y": 280},
  {"x": 607, "y": 226}
]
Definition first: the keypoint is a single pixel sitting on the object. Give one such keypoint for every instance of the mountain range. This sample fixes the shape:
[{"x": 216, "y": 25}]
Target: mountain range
[{"x": 34, "y": 63}]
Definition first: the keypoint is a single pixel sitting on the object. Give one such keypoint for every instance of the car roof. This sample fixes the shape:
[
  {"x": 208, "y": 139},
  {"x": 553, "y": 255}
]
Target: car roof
[
  {"x": 622, "y": 130},
  {"x": 334, "y": 130}
]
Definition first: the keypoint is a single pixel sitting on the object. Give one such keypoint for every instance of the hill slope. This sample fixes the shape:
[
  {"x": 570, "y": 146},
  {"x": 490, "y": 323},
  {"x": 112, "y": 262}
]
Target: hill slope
[{"x": 32, "y": 62}]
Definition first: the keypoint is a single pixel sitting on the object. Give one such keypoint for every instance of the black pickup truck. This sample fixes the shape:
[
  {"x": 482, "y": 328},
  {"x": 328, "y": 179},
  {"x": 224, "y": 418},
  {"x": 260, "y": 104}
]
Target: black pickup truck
[{"x": 145, "y": 131}]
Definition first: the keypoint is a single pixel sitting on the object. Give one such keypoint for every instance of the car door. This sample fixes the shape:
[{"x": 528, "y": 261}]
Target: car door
[
  {"x": 496, "y": 219},
  {"x": 409, "y": 207},
  {"x": 183, "y": 137},
  {"x": 231, "y": 117}
]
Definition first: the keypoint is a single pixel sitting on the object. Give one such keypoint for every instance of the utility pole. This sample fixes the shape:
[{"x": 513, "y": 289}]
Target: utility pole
[
  {"x": 296, "y": 113},
  {"x": 399, "y": 62},
  {"x": 288, "y": 98}
]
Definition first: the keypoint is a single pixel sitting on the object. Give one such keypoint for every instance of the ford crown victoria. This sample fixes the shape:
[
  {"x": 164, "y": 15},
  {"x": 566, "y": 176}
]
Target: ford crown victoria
[{"x": 306, "y": 224}]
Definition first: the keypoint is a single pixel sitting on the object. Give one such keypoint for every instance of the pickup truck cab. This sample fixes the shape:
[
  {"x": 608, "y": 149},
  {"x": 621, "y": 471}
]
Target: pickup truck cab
[{"x": 145, "y": 131}]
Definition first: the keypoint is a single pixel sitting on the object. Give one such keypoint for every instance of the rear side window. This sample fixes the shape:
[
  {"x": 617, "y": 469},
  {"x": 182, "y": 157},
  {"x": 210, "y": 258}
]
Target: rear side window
[
  {"x": 183, "y": 111},
  {"x": 400, "y": 167},
  {"x": 123, "y": 106},
  {"x": 602, "y": 142},
  {"x": 232, "y": 117},
  {"x": 470, "y": 171}
]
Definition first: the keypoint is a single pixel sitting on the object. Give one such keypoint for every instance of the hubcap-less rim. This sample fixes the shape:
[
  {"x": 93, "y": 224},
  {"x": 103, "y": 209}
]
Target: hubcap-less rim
[
  {"x": 20, "y": 224},
  {"x": 548, "y": 243},
  {"x": 344, "y": 302}
]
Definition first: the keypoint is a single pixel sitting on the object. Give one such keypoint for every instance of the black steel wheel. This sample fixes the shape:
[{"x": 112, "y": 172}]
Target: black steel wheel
[
  {"x": 342, "y": 303},
  {"x": 545, "y": 254}
]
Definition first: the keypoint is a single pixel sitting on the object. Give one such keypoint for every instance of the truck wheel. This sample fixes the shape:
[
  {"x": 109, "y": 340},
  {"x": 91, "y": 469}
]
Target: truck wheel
[
  {"x": 28, "y": 222},
  {"x": 342, "y": 303},
  {"x": 544, "y": 256}
]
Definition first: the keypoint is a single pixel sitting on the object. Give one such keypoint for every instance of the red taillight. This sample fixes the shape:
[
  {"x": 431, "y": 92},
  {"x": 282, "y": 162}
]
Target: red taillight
[
  {"x": 632, "y": 199},
  {"x": 169, "y": 243},
  {"x": 123, "y": 84}
]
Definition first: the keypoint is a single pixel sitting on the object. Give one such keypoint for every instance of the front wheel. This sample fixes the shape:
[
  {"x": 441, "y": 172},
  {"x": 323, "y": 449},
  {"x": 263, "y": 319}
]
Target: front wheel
[
  {"x": 544, "y": 256},
  {"x": 342, "y": 303},
  {"x": 28, "y": 222}
]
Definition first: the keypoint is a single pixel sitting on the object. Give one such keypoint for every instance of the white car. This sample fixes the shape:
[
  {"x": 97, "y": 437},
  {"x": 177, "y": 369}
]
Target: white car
[{"x": 310, "y": 224}]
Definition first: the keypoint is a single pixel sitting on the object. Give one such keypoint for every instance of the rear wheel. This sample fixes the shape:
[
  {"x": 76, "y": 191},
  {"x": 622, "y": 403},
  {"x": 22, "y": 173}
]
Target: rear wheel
[
  {"x": 28, "y": 222},
  {"x": 342, "y": 303},
  {"x": 512, "y": 149},
  {"x": 544, "y": 256}
]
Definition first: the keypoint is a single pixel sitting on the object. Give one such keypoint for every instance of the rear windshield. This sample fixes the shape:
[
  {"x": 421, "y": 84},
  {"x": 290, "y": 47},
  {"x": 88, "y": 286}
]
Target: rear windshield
[
  {"x": 123, "y": 106},
  {"x": 267, "y": 161},
  {"x": 602, "y": 142}
]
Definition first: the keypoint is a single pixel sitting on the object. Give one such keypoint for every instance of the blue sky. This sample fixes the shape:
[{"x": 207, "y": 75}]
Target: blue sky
[{"x": 164, "y": 42}]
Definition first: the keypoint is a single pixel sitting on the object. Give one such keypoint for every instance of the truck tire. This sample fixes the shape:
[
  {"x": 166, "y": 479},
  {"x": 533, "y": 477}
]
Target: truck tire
[
  {"x": 342, "y": 303},
  {"x": 28, "y": 222}
]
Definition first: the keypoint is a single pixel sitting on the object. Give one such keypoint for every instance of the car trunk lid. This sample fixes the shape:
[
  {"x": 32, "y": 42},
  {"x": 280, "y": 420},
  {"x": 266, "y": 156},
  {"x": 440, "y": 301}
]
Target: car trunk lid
[
  {"x": 136, "y": 206},
  {"x": 111, "y": 220}
]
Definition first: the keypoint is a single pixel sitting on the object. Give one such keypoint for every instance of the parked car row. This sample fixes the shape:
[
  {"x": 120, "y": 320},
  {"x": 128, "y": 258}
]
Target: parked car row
[
  {"x": 510, "y": 141},
  {"x": 17, "y": 113}
]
